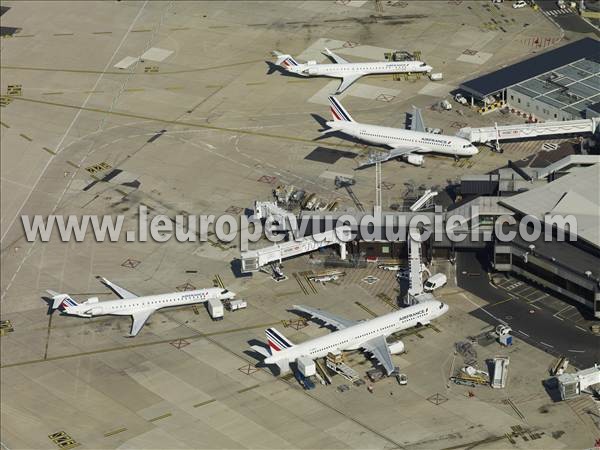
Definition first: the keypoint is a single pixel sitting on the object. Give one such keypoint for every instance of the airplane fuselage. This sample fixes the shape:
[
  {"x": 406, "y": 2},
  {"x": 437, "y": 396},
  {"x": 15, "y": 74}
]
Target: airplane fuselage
[
  {"x": 125, "y": 307},
  {"x": 353, "y": 337},
  {"x": 349, "y": 69},
  {"x": 397, "y": 137}
]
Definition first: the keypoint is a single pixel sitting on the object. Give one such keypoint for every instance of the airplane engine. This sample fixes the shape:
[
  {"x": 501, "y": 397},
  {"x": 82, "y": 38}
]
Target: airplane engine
[
  {"x": 312, "y": 71},
  {"x": 415, "y": 160},
  {"x": 396, "y": 347},
  {"x": 91, "y": 300},
  {"x": 311, "y": 63}
]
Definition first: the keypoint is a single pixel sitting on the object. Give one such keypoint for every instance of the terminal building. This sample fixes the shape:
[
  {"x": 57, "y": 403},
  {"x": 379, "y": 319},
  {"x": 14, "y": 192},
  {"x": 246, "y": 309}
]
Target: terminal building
[
  {"x": 569, "y": 266},
  {"x": 560, "y": 84}
]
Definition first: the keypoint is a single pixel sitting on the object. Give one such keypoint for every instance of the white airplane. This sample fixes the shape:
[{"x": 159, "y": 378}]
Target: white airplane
[
  {"x": 347, "y": 71},
  {"x": 403, "y": 143},
  {"x": 369, "y": 335},
  {"x": 129, "y": 304}
]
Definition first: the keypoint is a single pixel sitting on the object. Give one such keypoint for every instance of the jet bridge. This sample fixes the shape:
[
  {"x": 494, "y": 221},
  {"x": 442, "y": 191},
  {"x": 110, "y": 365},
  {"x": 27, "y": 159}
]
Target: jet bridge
[
  {"x": 253, "y": 260},
  {"x": 529, "y": 130}
]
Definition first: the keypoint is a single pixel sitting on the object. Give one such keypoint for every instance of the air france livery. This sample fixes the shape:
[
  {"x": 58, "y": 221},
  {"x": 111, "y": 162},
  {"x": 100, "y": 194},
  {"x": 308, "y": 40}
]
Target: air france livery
[
  {"x": 403, "y": 143},
  {"x": 347, "y": 71},
  {"x": 369, "y": 335},
  {"x": 129, "y": 304}
]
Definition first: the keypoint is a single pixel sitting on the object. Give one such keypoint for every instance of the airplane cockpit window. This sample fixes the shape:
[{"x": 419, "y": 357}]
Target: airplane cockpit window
[
  {"x": 225, "y": 291},
  {"x": 441, "y": 305}
]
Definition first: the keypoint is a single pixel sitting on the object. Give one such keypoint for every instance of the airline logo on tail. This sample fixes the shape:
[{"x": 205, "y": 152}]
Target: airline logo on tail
[
  {"x": 276, "y": 340},
  {"x": 338, "y": 112},
  {"x": 67, "y": 303},
  {"x": 289, "y": 62}
]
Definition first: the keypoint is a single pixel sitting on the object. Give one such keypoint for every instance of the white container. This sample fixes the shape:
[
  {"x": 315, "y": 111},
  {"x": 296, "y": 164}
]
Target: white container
[
  {"x": 438, "y": 76},
  {"x": 234, "y": 305},
  {"x": 435, "y": 281},
  {"x": 306, "y": 366},
  {"x": 215, "y": 308}
]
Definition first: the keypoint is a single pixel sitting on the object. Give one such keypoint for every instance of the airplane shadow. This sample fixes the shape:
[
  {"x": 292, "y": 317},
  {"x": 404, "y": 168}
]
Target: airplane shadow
[
  {"x": 275, "y": 68},
  {"x": 49, "y": 302},
  {"x": 254, "y": 354}
]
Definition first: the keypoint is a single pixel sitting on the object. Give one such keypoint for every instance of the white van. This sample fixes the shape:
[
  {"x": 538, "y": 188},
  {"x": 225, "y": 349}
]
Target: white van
[{"x": 435, "y": 282}]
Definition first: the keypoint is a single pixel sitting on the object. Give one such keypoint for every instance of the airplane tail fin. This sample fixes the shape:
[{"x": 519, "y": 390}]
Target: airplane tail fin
[
  {"x": 285, "y": 61},
  {"x": 277, "y": 341},
  {"x": 338, "y": 112},
  {"x": 61, "y": 301}
]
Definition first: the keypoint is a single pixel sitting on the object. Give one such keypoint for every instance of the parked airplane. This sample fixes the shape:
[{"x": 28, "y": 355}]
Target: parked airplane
[
  {"x": 403, "y": 143},
  {"x": 129, "y": 304},
  {"x": 347, "y": 71},
  {"x": 369, "y": 335}
]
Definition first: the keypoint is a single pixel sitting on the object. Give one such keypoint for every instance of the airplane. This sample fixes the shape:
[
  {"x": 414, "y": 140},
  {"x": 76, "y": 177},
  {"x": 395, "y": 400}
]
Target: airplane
[
  {"x": 369, "y": 335},
  {"x": 404, "y": 143},
  {"x": 129, "y": 304},
  {"x": 347, "y": 71}
]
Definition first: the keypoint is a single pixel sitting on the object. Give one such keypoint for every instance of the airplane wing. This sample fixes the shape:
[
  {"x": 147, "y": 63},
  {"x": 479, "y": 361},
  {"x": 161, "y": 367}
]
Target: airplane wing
[
  {"x": 417, "y": 123},
  {"x": 139, "y": 319},
  {"x": 399, "y": 151},
  {"x": 381, "y": 352},
  {"x": 329, "y": 319},
  {"x": 121, "y": 292},
  {"x": 338, "y": 59},
  {"x": 393, "y": 153},
  {"x": 346, "y": 82}
]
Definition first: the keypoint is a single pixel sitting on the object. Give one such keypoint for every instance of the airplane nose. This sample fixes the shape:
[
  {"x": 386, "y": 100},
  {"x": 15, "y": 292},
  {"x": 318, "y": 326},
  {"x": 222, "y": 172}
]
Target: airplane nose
[{"x": 474, "y": 150}]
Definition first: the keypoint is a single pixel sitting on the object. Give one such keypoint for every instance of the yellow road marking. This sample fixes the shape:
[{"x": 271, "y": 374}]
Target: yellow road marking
[
  {"x": 164, "y": 416},
  {"x": 112, "y": 433},
  {"x": 197, "y": 405},
  {"x": 177, "y": 122},
  {"x": 248, "y": 389},
  {"x": 201, "y": 69},
  {"x": 499, "y": 303}
]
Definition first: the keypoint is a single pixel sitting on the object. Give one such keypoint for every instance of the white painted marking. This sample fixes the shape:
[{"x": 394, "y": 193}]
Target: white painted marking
[
  {"x": 524, "y": 334},
  {"x": 356, "y": 3},
  {"x": 479, "y": 58},
  {"x": 582, "y": 329},
  {"x": 156, "y": 54},
  {"x": 87, "y": 99},
  {"x": 126, "y": 62},
  {"x": 434, "y": 89},
  {"x": 358, "y": 89},
  {"x": 577, "y": 351},
  {"x": 556, "y": 317},
  {"x": 547, "y": 345},
  {"x": 483, "y": 309}
]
